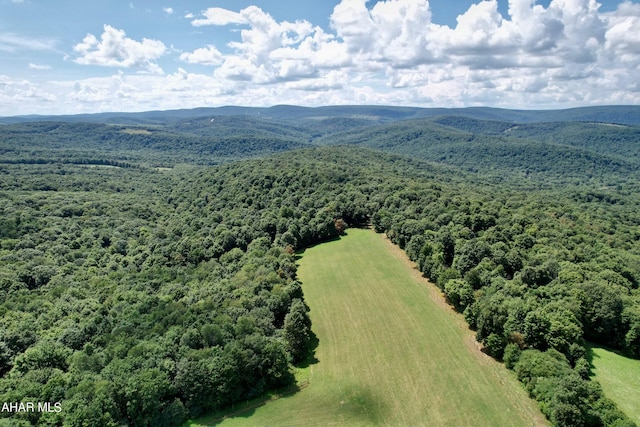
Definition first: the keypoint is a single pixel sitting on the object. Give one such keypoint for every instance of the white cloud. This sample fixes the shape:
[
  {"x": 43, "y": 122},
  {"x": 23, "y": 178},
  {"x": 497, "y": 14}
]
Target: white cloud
[
  {"x": 218, "y": 16},
  {"x": 39, "y": 66},
  {"x": 269, "y": 51},
  {"x": 114, "y": 49},
  {"x": 236, "y": 68},
  {"x": 555, "y": 53},
  {"x": 11, "y": 42},
  {"x": 122, "y": 92},
  {"x": 622, "y": 37},
  {"x": 206, "y": 56},
  {"x": 395, "y": 31},
  {"x": 353, "y": 23},
  {"x": 331, "y": 81},
  {"x": 16, "y": 95},
  {"x": 566, "y": 53},
  {"x": 168, "y": 10}
]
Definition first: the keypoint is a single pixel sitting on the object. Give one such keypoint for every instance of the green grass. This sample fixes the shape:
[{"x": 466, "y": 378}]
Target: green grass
[
  {"x": 620, "y": 379},
  {"x": 390, "y": 351}
]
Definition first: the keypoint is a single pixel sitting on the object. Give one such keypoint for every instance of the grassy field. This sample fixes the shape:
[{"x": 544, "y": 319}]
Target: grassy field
[
  {"x": 620, "y": 379},
  {"x": 391, "y": 352}
]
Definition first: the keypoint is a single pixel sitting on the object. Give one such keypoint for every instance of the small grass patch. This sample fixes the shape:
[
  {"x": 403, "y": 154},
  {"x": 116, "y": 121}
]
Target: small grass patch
[
  {"x": 132, "y": 131},
  {"x": 620, "y": 379}
]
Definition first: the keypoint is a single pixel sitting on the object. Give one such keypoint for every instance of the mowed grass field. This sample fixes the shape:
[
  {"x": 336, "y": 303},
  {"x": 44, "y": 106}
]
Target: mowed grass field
[
  {"x": 620, "y": 379},
  {"x": 390, "y": 352}
]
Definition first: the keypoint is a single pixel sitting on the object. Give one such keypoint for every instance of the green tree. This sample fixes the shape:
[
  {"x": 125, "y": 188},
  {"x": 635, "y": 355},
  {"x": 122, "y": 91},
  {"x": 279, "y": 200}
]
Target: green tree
[
  {"x": 459, "y": 293},
  {"x": 601, "y": 307},
  {"x": 297, "y": 330}
]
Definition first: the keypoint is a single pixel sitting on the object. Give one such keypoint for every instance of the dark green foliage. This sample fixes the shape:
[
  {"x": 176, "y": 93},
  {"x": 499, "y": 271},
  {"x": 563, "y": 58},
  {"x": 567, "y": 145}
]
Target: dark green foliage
[
  {"x": 459, "y": 293},
  {"x": 143, "y": 297},
  {"x": 297, "y": 330},
  {"x": 511, "y": 355},
  {"x": 602, "y": 307}
]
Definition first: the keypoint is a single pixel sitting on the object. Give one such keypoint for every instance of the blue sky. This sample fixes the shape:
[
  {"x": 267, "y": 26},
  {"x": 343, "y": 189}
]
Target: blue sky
[{"x": 68, "y": 57}]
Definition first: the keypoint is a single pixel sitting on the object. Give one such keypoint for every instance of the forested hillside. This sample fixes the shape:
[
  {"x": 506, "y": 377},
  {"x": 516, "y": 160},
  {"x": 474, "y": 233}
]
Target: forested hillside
[
  {"x": 202, "y": 141},
  {"x": 147, "y": 275},
  {"x": 548, "y": 153}
]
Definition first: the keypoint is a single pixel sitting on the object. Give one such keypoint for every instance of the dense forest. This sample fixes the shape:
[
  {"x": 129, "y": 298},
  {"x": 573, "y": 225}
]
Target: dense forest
[{"x": 147, "y": 271}]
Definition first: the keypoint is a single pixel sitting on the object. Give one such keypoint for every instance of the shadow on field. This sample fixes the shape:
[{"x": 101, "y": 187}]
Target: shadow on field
[
  {"x": 300, "y": 252},
  {"x": 310, "y": 358},
  {"x": 590, "y": 355},
  {"x": 244, "y": 410}
]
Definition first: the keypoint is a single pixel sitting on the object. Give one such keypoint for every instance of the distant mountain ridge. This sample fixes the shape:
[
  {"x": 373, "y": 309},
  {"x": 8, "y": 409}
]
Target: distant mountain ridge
[
  {"x": 617, "y": 114},
  {"x": 560, "y": 146}
]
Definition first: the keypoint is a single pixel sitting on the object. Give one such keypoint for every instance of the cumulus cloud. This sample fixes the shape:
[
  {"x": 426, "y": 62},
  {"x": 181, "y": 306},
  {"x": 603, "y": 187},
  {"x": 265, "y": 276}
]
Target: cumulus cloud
[
  {"x": 331, "y": 81},
  {"x": 168, "y": 10},
  {"x": 396, "y": 31},
  {"x": 271, "y": 51},
  {"x": 208, "y": 55},
  {"x": 123, "y": 92},
  {"x": 268, "y": 52},
  {"x": 623, "y": 35},
  {"x": 16, "y": 94},
  {"x": 555, "y": 52},
  {"x": 218, "y": 16},
  {"x": 114, "y": 49}
]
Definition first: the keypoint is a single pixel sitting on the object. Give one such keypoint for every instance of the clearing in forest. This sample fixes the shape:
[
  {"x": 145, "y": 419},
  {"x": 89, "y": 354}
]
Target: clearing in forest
[
  {"x": 390, "y": 351},
  {"x": 619, "y": 377}
]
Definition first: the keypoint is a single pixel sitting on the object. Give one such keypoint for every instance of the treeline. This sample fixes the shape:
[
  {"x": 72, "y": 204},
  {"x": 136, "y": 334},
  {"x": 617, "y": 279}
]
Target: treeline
[{"x": 143, "y": 297}]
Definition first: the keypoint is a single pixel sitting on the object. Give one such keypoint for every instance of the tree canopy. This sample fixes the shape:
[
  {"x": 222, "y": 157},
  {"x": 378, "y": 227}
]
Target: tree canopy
[{"x": 142, "y": 295}]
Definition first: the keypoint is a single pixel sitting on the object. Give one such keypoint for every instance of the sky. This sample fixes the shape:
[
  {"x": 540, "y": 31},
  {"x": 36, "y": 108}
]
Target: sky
[{"x": 71, "y": 56}]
